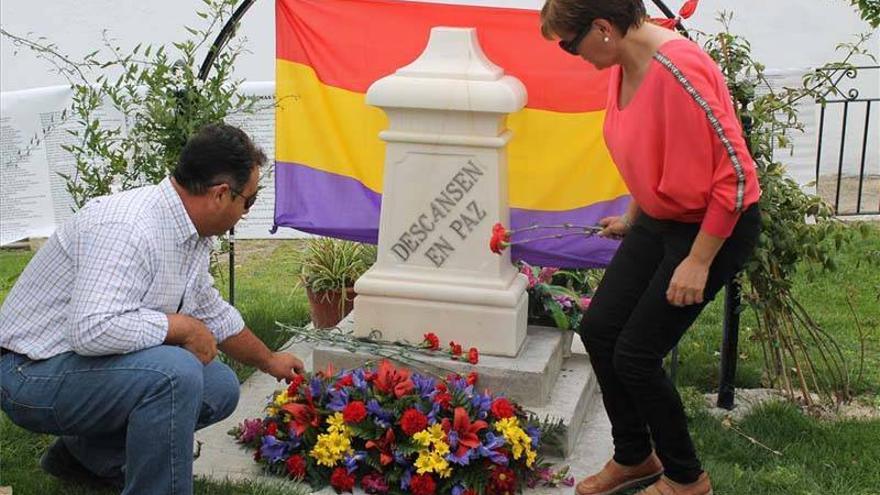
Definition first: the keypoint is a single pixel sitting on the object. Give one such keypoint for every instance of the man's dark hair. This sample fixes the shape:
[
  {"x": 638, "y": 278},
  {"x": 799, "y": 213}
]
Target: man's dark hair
[{"x": 216, "y": 154}]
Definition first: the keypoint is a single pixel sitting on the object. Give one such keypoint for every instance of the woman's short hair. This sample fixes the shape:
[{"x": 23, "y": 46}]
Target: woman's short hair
[
  {"x": 216, "y": 154},
  {"x": 570, "y": 16}
]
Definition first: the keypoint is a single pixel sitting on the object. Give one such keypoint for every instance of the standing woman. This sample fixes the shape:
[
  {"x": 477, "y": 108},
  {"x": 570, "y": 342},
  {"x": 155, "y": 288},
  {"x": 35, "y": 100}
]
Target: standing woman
[{"x": 672, "y": 130}]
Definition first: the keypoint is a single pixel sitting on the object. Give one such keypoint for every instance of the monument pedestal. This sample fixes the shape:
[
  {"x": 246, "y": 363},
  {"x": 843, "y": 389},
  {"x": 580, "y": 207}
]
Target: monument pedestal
[{"x": 538, "y": 378}]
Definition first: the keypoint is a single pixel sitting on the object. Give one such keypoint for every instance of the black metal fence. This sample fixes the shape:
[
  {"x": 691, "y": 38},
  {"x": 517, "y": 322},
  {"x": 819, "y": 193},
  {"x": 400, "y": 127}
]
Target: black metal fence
[{"x": 852, "y": 184}]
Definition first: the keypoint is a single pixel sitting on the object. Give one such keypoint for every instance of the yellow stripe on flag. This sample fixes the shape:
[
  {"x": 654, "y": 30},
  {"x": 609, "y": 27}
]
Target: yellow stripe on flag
[{"x": 558, "y": 161}]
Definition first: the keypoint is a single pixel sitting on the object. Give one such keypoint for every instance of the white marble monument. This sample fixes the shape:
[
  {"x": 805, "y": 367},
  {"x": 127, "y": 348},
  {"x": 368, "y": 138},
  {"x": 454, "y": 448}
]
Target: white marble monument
[{"x": 445, "y": 185}]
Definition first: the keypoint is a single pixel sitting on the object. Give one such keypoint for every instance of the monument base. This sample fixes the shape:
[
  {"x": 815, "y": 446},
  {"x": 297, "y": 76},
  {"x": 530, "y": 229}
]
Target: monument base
[
  {"x": 494, "y": 330},
  {"x": 538, "y": 378}
]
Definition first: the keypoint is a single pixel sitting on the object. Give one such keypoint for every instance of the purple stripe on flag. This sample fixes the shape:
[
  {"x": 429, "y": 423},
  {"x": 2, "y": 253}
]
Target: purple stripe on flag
[
  {"x": 324, "y": 203},
  {"x": 333, "y": 205}
]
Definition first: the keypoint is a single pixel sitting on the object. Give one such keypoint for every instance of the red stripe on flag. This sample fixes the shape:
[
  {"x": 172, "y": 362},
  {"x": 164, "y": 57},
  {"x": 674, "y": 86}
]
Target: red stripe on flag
[{"x": 352, "y": 43}]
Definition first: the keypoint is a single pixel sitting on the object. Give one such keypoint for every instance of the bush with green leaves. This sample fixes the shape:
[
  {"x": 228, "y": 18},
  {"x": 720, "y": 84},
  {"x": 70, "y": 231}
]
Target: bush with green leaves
[
  {"x": 158, "y": 92},
  {"x": 799, "y": 354}
]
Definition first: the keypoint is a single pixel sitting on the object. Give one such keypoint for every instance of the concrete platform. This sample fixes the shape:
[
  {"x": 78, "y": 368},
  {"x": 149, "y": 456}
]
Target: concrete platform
[{"x": 528, "y": 378}]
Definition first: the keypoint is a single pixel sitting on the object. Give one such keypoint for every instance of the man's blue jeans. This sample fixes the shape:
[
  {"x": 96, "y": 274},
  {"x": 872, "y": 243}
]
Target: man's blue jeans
[{"x": 136, "y": 412}]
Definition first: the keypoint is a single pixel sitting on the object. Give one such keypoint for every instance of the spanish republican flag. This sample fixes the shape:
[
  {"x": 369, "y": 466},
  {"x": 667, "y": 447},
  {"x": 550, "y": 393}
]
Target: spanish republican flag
[{"x": 329, "y": 155}]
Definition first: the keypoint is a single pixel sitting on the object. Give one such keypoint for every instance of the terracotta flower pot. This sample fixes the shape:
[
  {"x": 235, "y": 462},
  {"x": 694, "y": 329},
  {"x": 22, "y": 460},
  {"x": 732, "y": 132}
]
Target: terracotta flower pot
[{"x": 324, "y": 306}]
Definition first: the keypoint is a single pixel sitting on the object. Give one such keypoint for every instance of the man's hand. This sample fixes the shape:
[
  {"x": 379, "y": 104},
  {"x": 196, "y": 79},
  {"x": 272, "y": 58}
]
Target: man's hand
[
  {"x": 193, "y": 335},
  {"x": 688, "y": 282},
  {"x": 283, "y": 366},
  {"x": 614, "y": 227}
]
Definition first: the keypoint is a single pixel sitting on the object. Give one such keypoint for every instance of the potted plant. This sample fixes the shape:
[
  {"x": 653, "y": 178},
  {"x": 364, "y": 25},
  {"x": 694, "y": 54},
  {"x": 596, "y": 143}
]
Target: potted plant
[
  {"x": 557, "y": 298},
  {"x": 328, "y": 269}
]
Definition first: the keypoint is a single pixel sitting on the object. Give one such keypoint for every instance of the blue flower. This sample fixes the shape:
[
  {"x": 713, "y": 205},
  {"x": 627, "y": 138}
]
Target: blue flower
[
  {"x": 483, "y": 404},
  {"x": 487, "y": 449},
  {"x": 404, "y": 481},
  {"x": 315, "y": 387},
  {"x": 358, "y": 379},
  {"x": 382, "y": 417},
  {"x": 535, "y": 434},
  {"x": 351, "y": 461},
  {"x": 272, "y": 449},
  {"x": 458, "y": 489},
  {"x": 452, "y": 439},
  {"x": 432, "y": 416},
  {"x": 338, "y": 400},
  {"x": 424, "y": 384},
  {"x": 461, "y": 460}
]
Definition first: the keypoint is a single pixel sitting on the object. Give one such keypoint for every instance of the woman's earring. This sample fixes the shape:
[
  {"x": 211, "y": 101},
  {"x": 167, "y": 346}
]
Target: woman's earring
[{"x": 605, "y": 39}]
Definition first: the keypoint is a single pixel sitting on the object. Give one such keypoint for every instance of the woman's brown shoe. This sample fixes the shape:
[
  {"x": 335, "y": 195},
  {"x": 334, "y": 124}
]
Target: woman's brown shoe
[
  {"x": 615, "y": 477},
  {"x": 665, "y": 486}
]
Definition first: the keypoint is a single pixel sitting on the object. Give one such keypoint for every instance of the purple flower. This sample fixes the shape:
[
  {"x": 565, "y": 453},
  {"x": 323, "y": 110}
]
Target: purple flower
[
  {"x": 462, "y": 460},
  {"x": 357, "y": 377},
  {"x": 374, "y": 483},
  {"x": 563, "y": 300},
  {"x": 546, "y": 275},
  {"x": 483, "y": 403},
  {"x": 351, "y": 461},
  {"x": 249, "y": 430},
  {"x": 432, "y": 416},
  {"x": 535, "y": 434},
  {"x": 424, "y": 384},
  {"x": 382, "y": 417},
  {"x": 338, "y": 400},
  {"x": 487, "y": 449},
  {"x": 404, "y": 481},
  {"x": 458, "y": 489},
  {"x": 315, "y": 387},
  {"x": 272, "y": 449},
  {"x": 452, "y": 439}
]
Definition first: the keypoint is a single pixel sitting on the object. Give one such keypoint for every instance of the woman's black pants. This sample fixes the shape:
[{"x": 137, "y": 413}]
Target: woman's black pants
[{"x": 630, "y": 327}]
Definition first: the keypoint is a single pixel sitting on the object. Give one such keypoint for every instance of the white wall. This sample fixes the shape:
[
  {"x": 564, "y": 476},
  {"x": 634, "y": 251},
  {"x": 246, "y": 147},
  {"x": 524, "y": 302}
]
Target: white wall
[{"x": 784, "y": 33}]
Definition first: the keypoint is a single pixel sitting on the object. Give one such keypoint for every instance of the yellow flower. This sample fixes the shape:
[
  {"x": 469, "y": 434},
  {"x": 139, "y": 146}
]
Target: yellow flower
[
  {"x": 337, "y": 424},
  {"x": 423, "y": 437},
  {"x": 441, "y": 447},
  {"x": 432, "y": 461},
  {"x": 281, "y": 398},
  {"x": 437, "y": 433},
  {"x": 330, "y": 448},
  {"x": 271, "y": 411},
  {"x": 531, "y": 455}
]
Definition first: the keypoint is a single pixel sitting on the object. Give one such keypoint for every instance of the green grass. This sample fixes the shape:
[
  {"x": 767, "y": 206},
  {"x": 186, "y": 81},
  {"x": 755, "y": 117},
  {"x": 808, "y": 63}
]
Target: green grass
[{"x": 824, "y": 295}]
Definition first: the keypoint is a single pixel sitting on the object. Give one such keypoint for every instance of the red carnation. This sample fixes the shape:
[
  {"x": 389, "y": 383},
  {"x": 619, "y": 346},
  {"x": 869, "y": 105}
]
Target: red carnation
[
  {"x": 354, "y": 412},
  {"x": 473, "y": 355},
  {"x": 341, "y": 481},
  {"x": 440, "y": 387},
  {"x": 431, "y": 342},
  {"x": 296, "y": 467},
  {"x": 472, "y": 378},
  {"x": 502, "y": 480},
  {"x": 272, "y": 429},
  {"x": 413, "y": 421},
  {"x": 501, "y": 408},
  {"x": 455, "y": 349},
  {"x": 444, "y": 399},
  {"x": 500, "y": 239},
  {"x": 422, "y": 484}
]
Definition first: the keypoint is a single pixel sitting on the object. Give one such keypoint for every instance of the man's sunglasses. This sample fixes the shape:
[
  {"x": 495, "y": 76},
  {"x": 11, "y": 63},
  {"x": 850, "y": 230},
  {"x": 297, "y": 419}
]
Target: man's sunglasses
[
  {"x": 248, "y": 200},
  {"x": 572, "y": 45}
]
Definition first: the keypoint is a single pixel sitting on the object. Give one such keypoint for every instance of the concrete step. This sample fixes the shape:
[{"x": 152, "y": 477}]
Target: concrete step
[
  {"x": 574, "y": 400},
  {"x": 528, "y": 378}
]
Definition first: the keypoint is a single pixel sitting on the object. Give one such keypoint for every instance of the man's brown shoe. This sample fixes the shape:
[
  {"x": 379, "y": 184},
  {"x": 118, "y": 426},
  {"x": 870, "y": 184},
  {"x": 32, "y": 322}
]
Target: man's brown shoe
[
  {"x": 615, "y": 477},
  {"x": 665, "y": 486}
]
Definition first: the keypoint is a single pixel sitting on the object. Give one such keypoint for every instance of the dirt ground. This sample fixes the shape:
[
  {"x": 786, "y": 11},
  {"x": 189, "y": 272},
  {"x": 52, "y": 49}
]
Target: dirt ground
[{"x": 849, "y": 193}]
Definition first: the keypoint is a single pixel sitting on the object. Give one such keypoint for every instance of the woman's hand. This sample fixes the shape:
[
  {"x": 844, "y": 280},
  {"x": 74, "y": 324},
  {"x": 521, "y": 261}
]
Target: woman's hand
[
  {"x": 688, "y": 282},
  {"x": 614, "y": 227}
]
